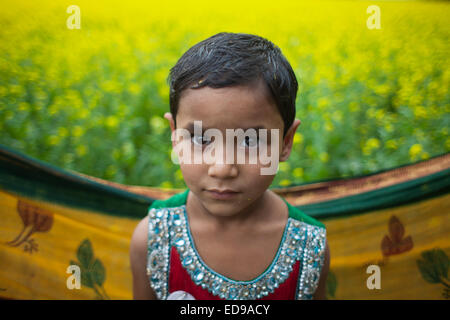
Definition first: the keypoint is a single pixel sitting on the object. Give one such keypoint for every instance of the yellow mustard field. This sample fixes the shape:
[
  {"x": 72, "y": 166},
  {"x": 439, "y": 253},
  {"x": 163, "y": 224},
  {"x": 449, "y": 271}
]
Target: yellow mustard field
[{"x": 92, "y": 99}]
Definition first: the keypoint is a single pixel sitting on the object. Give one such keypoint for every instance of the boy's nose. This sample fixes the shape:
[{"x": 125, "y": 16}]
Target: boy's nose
[{"x": 223, "y": 171}]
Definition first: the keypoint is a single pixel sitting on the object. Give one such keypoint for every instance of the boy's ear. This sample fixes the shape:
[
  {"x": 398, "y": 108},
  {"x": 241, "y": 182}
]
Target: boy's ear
[
  {"x": 289, "y": 140},
  {"x": 169, "y": 117}
]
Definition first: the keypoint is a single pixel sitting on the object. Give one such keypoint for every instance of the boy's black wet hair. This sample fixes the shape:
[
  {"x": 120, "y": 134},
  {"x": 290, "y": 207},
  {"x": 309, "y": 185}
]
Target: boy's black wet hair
[{"x": 230, "y": 59}]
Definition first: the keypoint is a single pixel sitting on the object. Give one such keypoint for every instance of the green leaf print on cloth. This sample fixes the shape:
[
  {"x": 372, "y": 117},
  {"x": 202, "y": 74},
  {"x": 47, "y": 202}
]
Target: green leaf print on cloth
[
  {"x": 434, "y": 268},
  {"x": 93, "y": 272}
]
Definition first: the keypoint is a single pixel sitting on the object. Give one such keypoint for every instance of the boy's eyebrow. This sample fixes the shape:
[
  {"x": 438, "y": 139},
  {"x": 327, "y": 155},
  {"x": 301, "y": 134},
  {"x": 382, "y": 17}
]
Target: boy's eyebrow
[{"x": 190, "y": 127}]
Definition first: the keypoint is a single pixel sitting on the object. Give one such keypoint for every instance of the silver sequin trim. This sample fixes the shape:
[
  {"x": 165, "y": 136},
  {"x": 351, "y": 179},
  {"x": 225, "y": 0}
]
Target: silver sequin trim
[
  {"x": 158, "y": 262},
  {"x": 312, "y": 263},
  {"x": 300, "y": 241}
]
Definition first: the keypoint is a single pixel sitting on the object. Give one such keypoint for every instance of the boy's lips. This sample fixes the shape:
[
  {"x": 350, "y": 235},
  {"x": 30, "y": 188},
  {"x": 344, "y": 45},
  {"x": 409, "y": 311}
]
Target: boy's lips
[{"x": 222, "y": 194}]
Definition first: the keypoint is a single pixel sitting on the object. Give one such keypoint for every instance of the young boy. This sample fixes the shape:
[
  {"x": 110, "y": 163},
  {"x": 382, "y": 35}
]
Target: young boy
[{"x": 228, "y": 236}]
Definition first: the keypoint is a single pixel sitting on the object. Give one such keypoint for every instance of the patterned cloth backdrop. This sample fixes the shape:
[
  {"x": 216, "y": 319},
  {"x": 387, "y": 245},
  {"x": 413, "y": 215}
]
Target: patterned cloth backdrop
[{"x": 395, "y": 219}]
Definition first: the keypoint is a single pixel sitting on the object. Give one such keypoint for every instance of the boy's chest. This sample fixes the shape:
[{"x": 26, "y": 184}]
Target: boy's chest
[{"x": 236, "y": 256}]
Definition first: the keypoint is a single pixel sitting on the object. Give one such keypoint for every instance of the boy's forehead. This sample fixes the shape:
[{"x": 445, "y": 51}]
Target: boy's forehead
[
  {"x": 204, "y": 125},
  {"x": 228, "y": 107}
]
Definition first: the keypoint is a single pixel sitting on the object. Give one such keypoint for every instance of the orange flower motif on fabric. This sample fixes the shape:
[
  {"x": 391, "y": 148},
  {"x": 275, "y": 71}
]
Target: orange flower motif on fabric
[
  {"x": 395, "y": 243},
  {"x": 35, "y": 219}
]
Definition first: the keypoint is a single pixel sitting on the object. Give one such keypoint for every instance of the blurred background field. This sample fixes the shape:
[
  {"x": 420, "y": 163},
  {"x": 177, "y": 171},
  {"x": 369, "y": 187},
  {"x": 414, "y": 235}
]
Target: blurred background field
[{"x": 92, "y": 100}]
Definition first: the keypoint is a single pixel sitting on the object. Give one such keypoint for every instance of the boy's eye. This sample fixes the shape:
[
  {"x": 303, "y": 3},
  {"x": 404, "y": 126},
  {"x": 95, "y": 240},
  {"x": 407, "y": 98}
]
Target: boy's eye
[
  {"x": 250, "y": 142},
  {"x": 200, "y": 140}
]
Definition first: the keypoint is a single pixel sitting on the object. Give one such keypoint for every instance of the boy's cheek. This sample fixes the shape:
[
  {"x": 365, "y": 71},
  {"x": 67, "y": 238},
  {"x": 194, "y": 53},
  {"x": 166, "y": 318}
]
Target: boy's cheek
[{"x": 191, "y": 169}]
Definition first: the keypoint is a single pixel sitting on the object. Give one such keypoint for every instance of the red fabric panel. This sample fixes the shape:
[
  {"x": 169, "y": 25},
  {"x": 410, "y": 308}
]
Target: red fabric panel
[{"x": 179, "y": 279}]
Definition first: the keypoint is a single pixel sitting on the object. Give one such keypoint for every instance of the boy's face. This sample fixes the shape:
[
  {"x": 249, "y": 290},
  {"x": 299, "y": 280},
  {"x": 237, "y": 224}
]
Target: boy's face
[{"x": 238, "y": 107}]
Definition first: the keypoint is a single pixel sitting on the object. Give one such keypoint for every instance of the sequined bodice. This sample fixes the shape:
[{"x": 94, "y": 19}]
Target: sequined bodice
[{"x": 169, "y": 228}]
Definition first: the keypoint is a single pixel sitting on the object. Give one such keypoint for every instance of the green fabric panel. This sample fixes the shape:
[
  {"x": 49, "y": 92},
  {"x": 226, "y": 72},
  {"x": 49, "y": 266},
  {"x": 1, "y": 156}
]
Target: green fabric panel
[
  {"x": 367, "y": 174},
  {"x": 28, "y": 177},
  {"x": 433, "y": 185},
  {"x": 298, "y": 214},
  {"x": 174, "y": 201}
]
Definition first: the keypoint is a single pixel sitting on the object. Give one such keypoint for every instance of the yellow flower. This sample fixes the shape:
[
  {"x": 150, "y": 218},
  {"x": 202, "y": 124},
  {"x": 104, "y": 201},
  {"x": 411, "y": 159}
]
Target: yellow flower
[
  {"x": 420, "y": 112},
  {"x": 178, "y": 175},
  {"x": 379, "y": 114},
  {"x": 163, "y": 91},
  {"x": 285, "y": 182},
  {"x": 53, "y": 109},
  {"x": 382, "y": 89},
  {"x": 77, "y": 131},
  {"x": 157, "y": 124},
  {"x": 354, "y": 106},
  {"x": 62, "y": 132},
  {"x": 415, "y": 99},
  {"x": 414, "y": 151},
  {"x": 53, "y": 140},
  {"x": 81, "y": 150},
  {"x": 111, "y": 86},
  {"x": 388, "y": 127},
  {"x": 3, "y": 91},
  {"x": 298, "y": 172},
  {"x": 371, "y": 113},
  {"x": 322, "y": 103},
  {"x": 310, "y": 150},
  {"x": 24, "y": 106},
  {"x": 16, "y": 89},
  {"x": 324, "y": 157},
  {"x": 337, "y": 116},
  {"x": 284, "y": 166},
  {"x": 111, "y": 121},
  {"x": 298, "y": 138},
  {"x": 166, "y": 185},
  {"x": 371, "y": 144},
  {"x": 391, "y": 144},
  {"x": 83, "y": 113},
  {"x": 161, "y": 76},
  {"x": 329, "y": 126},
  {"x": 134, "y": 88}
]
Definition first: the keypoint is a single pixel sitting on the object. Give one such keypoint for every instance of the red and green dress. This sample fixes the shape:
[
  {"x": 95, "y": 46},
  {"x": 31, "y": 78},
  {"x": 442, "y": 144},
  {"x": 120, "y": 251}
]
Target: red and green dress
[{"x": 173, "y": 263}]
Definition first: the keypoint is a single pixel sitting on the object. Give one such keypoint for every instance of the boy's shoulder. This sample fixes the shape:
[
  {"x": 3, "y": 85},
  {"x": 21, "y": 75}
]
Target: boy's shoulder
[
  {"x": 297, "y": 214},
  {"x": 179, "y": 199}
]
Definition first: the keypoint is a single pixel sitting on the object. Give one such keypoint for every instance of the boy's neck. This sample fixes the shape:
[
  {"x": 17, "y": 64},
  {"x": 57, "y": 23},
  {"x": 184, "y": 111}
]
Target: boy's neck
[{"x": 260, "y": 210}]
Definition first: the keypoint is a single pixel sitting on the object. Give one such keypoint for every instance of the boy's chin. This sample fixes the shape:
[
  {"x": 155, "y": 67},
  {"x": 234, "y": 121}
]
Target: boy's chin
[
  {"x": 223, "y": 210},
  {"x": 228, "y": 208}
]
